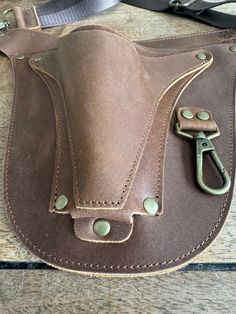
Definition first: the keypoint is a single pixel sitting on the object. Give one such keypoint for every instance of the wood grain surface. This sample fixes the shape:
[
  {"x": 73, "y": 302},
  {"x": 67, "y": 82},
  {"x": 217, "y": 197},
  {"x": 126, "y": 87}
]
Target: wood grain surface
[
  {"x": 135, "y": 24},
  {"x": 51, "y": 292}
]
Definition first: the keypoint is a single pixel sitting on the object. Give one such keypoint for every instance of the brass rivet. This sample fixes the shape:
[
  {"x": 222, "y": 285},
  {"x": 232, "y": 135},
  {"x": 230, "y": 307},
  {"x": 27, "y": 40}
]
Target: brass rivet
[
  {"x": 232, "y": 48},
  {"x": 61, "y": 202},
  {"x": 20, "y": 57},
  {"x": 36, "y": 59},
  {"x": 203, "y": 115},
  {"x": 187, "y": 114},
  {"x": 151, "y": 205},
  {"x": 201, "y": 56},
  {"x": 101, "y": 227}
]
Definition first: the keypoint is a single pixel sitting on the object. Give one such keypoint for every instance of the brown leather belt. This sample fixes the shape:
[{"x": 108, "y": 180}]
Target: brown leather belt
[{"x": 97, "y": 178}]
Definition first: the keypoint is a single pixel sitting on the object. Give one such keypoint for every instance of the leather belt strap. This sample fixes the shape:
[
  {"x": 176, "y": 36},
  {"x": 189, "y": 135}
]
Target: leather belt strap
[
  {"x": 60, "y": 12},
  {"x": 198, "y": 9}
]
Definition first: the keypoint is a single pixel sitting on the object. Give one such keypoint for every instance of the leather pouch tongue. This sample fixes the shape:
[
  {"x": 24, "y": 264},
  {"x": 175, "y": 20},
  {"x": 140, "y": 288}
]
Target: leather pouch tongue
[
  {"x": 106, "y": 95},
  {"x": 107, "y": 105}
]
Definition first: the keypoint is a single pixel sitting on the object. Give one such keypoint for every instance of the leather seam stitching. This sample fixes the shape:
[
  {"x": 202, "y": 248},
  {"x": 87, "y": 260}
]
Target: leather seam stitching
[
  {"x": 181, "y": 36},
  {"x": 164, "y": 136},
  {"x": 44, "y": 34},
  {"x": 58, "y": 111},
  {"x": 58, "y": 159},
  {"x": 36, "y": 33},
  {"x": 142, "y": 142},
  {"x": 71, "y": 141},
  {"x": 111, "y": 266},
  {"x": 57, "y": 114}
]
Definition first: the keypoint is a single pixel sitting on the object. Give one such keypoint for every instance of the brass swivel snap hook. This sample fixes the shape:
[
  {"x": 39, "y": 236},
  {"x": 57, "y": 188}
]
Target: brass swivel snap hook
[
  {"x": 4, "y": 22},
  {"x": 205, "y": 146}
]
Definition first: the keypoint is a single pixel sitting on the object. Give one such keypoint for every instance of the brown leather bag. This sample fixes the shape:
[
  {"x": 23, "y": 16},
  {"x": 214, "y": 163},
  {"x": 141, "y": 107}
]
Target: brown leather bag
[{"x": 97, "y": 178}]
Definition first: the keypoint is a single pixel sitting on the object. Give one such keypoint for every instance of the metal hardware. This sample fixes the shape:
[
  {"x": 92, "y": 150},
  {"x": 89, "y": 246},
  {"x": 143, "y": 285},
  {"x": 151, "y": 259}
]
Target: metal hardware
[
  {"x": 205, "y": 146},
  {"x": 232, "y": 48},
  {"x": 61, "y": 202},
  {"x": 37, "y": 59},
  {"x": 4, "y": 26},
  {"x": 187, "y": 114},
  {"x": 180, "y": 4},
  {"x": 37, "y": 19},
  {"x": 201, "y": 56},
  {"x": 203, "y": 115},
  {"x": 151, "y": 206},
  {"x": 4, "y": 23},
  {"x": 101, "y": 227},
  {"x": 20, "y": 57}
]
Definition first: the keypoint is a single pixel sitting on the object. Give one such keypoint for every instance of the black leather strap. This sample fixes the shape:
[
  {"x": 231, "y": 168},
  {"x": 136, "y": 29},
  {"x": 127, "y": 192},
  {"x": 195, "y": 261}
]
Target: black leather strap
[
  {"x": 214, "y": 18},
  {"x": 197, "y": 9},
  {"x": 59, "y": 12}
]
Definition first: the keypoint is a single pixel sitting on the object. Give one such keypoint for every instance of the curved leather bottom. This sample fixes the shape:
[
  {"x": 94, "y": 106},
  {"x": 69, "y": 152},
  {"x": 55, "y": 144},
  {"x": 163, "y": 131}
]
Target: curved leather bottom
[{"x": 191, "y": 219}]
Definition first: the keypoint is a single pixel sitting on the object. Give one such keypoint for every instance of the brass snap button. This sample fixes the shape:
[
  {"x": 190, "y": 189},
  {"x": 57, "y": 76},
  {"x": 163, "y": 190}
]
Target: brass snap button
[
  {"x": 61, "y": 202},
  {"x": 37, "y": 59},
  {"x": 151, "y": 206},
  {"x": 20, "y": 57},
  {"x": 187, "y": 114},
  {"x": 203, "y": 115},
  {"x": 101, "y": 227},
  {"x": 201, "y": 56},
  {"x": 232, "y": 48}
]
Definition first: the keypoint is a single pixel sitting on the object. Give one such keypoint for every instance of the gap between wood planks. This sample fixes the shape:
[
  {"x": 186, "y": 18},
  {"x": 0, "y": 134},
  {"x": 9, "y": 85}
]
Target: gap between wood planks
[{"x": 190, "y": 267}]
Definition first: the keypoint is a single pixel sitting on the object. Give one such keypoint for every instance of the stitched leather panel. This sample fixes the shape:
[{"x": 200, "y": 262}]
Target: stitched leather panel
[
  {"x": 191, "y": 219},
  {"x": 195, "y": 124},
  {"x": 109, "y": 119},
  {"x": 102, "y": 159}
]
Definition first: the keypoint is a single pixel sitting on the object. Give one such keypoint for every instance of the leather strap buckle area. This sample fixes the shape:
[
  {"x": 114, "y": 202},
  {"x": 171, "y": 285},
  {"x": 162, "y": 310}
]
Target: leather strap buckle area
[
  {"x": 204, "y": 11},
  {"x": 180, "y": 4},
  {"x": 22, "y": 17},
  {"x": 61, "y": 12},
  {"x": 4, "y": 23}
]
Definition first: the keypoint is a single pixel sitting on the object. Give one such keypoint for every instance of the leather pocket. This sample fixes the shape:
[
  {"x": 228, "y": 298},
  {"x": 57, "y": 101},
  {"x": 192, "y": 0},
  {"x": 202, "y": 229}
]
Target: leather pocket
[{"x": 113, "y": 106}]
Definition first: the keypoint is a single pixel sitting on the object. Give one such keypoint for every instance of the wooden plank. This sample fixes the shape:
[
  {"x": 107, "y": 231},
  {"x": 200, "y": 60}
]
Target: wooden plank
[
  {"x": 57, "y": 292},
  {"x": 135, "y": 24}
]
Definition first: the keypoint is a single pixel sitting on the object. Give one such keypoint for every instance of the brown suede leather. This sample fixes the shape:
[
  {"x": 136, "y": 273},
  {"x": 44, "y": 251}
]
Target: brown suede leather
[{"x": 93, "y": 120}]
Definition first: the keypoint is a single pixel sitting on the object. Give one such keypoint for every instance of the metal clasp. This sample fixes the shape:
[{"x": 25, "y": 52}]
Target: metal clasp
[
  {"x": 180, "y": 4},
  {"x": 4, "y": 23},
  {"x": 205, "y": 146}
]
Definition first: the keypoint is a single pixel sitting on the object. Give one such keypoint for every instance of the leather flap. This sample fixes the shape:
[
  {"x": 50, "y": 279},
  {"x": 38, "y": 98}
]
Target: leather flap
[
  {"x": 192, "y": 122},
  {"x": 108, "y": 105}
]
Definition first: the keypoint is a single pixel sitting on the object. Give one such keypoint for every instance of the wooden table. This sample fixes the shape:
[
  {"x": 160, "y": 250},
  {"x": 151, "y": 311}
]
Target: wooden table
[{"x": 206, "y": 285}]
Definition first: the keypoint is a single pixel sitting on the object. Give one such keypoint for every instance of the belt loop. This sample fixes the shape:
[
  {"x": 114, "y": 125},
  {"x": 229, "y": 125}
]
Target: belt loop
[{"x": 24, "y": 18}]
